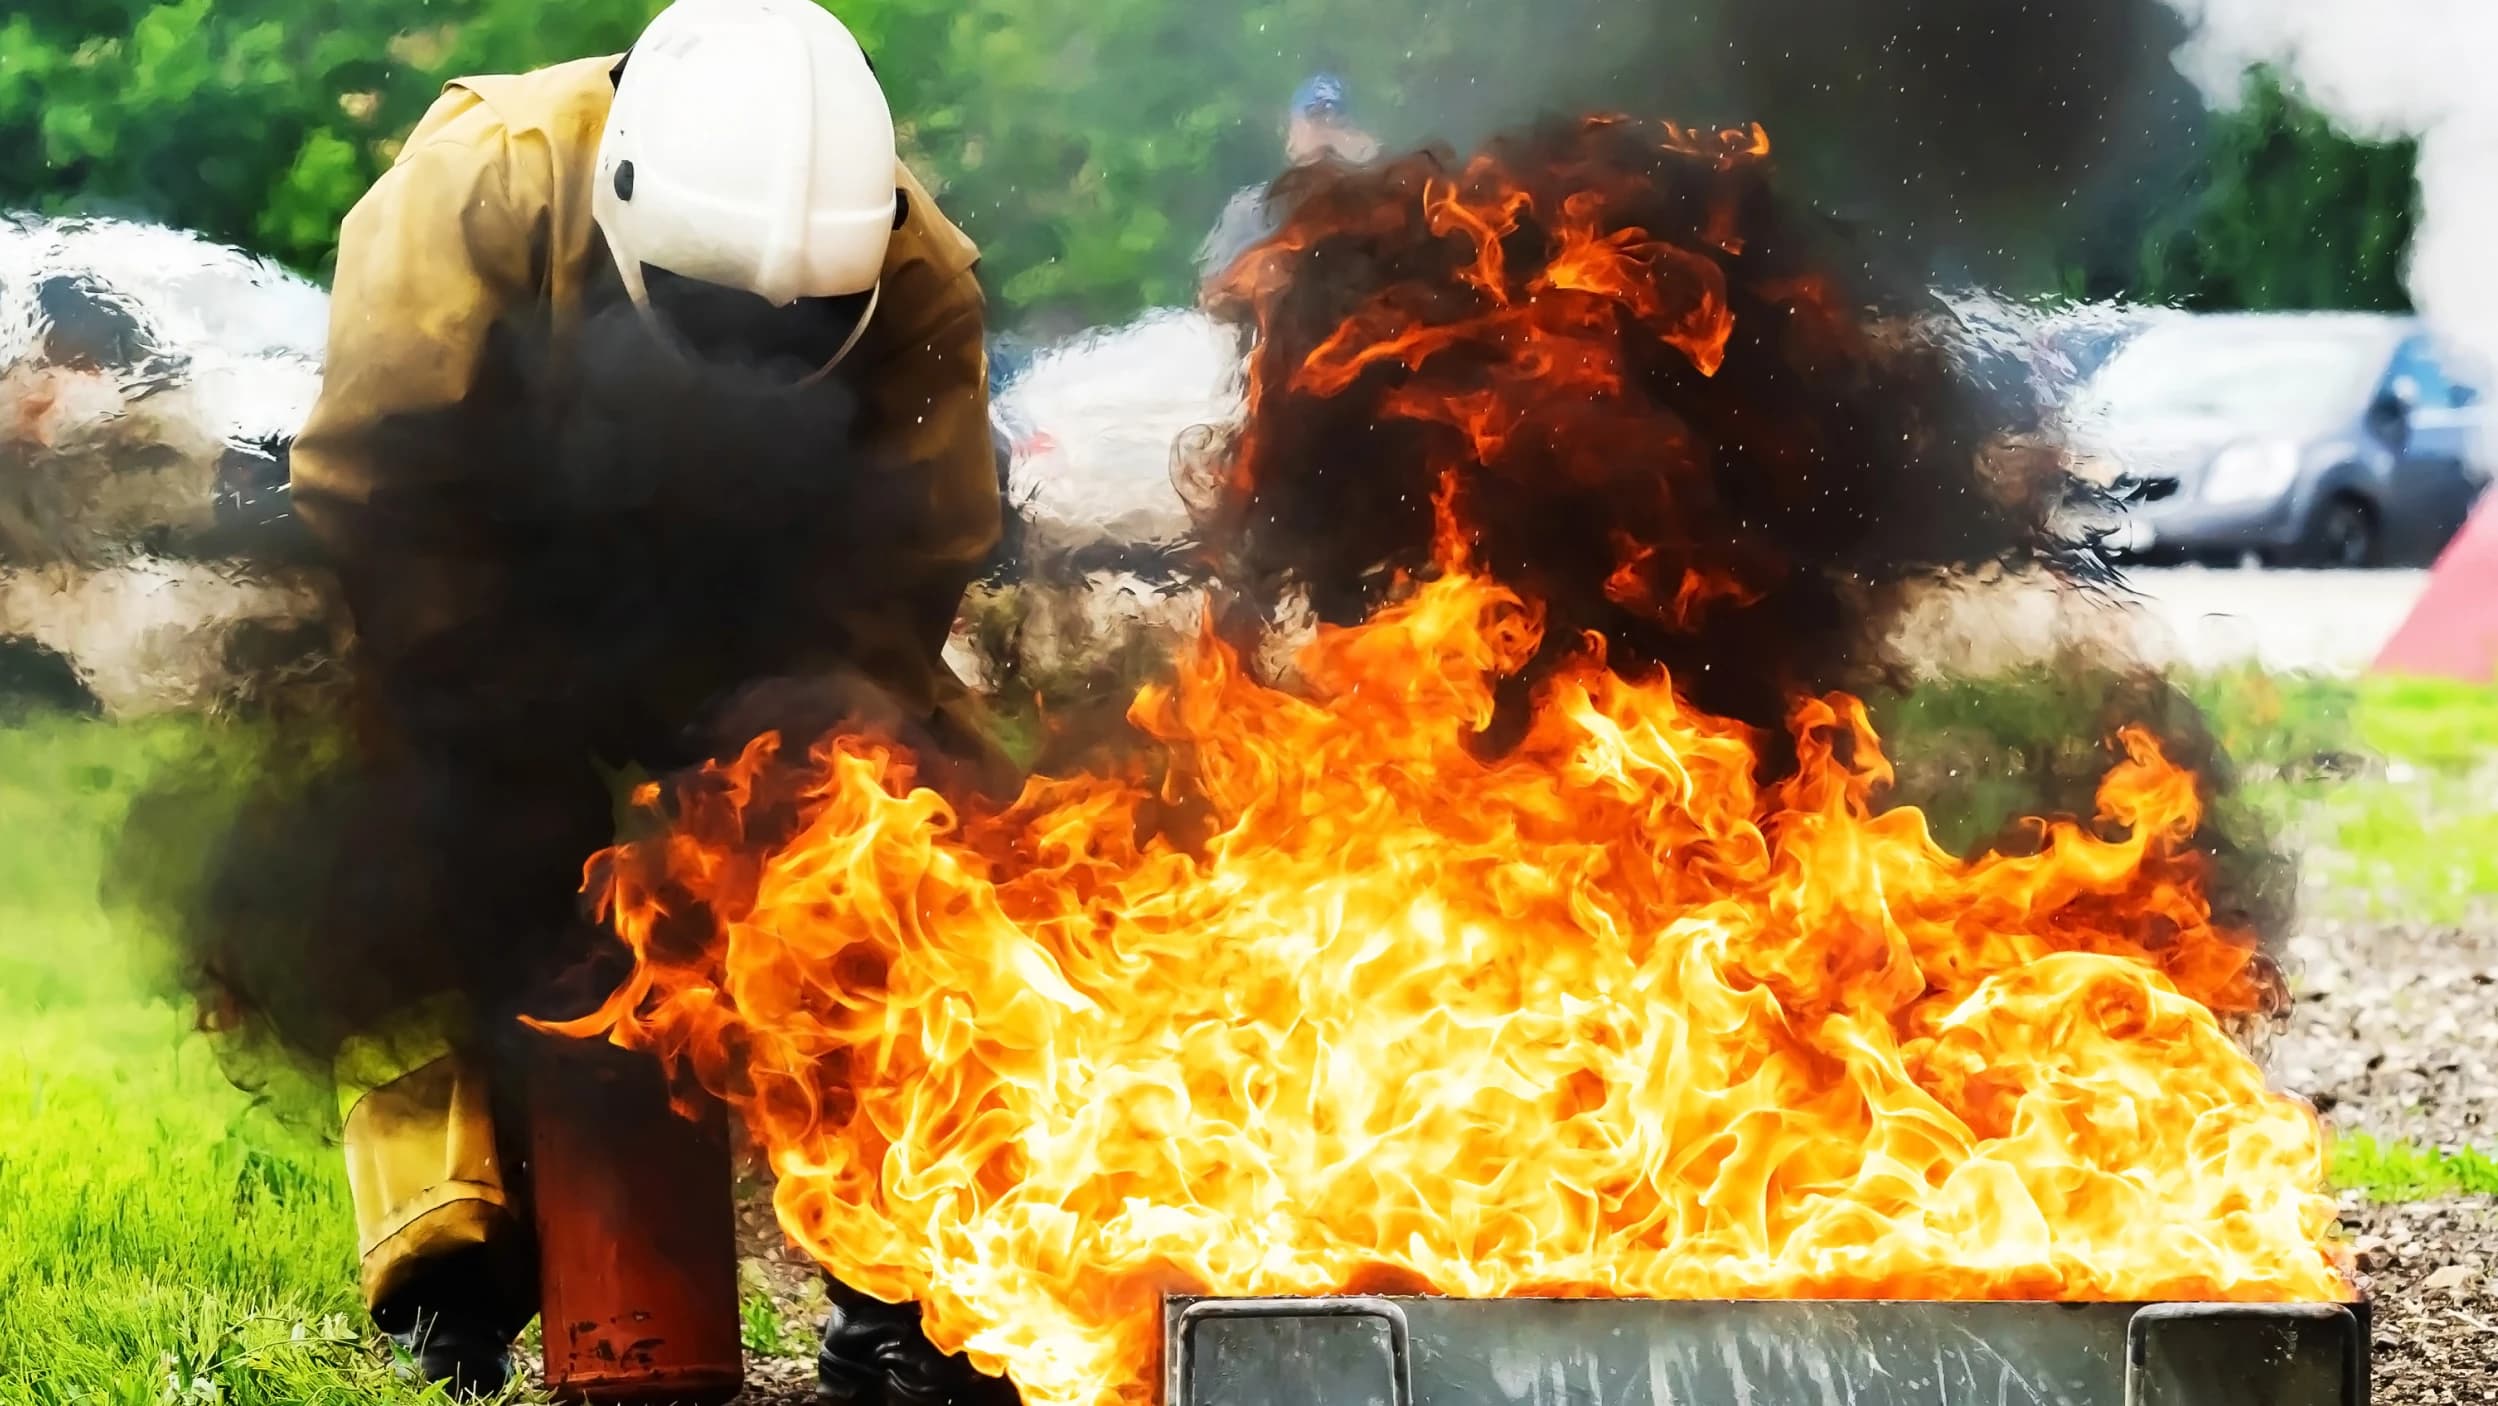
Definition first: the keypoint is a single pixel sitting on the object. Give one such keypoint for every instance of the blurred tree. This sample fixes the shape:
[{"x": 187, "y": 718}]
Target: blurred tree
[
  {"x": 2279, "y": 211},
  {"x": 254, "y": 121},
  {"x": 1088, "y": 144},
  {"x": 1080, "y": 140}
]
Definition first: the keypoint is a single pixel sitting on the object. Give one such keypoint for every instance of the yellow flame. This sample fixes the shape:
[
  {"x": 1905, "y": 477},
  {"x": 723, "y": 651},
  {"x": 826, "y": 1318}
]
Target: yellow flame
[{"x": 1338, "y": 1003}]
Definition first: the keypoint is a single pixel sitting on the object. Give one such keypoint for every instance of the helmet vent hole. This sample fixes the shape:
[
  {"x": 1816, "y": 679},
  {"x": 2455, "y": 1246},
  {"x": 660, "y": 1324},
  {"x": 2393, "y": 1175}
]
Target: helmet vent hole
[{"x": 624, "y": 180}]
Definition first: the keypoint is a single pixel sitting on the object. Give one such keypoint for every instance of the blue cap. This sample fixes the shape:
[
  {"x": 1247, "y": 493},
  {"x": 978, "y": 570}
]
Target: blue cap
[{"x": 1321, "y": 95}]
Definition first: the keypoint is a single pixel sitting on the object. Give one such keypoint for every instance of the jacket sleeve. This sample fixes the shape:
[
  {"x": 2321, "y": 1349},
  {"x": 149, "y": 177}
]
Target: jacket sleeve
[
  {"x": 388, "y": 471},
  {"x": 928, "y": 397}
]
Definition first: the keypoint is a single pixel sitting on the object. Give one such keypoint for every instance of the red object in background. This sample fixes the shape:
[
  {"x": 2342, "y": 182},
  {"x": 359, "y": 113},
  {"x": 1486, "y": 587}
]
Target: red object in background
[
  {"x": 2452, "y": 631},
  {"x": 637, "y": 1235}
]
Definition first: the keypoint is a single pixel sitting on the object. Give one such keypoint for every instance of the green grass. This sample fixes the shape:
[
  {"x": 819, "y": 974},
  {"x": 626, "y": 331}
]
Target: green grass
[
  {"x": 2413, "y": 834},
  {"x": 2429, "y": 723},
  {"x": 2278, "y": 723},
  {"x": 2268, "y": 723},
  {"x": 163, "y": 1237},
  {"x": 2423, "y": 848},
  {"x": 2401, "y": 1171},
  {"x": 761, "y": 1327},
  {"x": 2385, "y": 786}
]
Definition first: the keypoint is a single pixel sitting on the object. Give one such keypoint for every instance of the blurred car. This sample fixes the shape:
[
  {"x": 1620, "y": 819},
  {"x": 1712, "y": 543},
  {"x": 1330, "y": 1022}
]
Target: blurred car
[
  {"x": 1103, "y": 431},
  {"x": 150, "y": 383},
  {"x": 2326, "y": 440}
]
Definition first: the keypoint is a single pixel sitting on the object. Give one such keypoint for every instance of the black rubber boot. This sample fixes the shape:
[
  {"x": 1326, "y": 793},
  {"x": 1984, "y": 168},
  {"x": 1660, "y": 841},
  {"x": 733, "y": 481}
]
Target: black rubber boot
[
  {"x": 875, "y": 1355},
  {"x": 456, "y": 1319},
  {"x": 463, "y": 1354}
]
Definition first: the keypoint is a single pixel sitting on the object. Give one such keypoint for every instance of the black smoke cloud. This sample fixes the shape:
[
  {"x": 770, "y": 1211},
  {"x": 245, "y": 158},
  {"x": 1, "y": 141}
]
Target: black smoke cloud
[
  {"x": 1836, "y": 464},
  {"x": 639, "y": 565},
  {"x": 1834, "y": 458}
]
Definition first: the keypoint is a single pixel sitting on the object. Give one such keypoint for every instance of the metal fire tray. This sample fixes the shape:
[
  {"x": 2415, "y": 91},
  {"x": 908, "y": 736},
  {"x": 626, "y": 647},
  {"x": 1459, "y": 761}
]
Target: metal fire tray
[{"x": 1641, "y": 1352}]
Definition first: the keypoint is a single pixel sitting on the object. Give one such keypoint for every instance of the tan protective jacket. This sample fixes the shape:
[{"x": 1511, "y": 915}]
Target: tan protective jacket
[{"x": 486, "y": 212}]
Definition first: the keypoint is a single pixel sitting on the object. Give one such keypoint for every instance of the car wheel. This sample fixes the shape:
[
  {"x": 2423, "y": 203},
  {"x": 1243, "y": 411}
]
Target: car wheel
[{"x": 2342, "y": 532}]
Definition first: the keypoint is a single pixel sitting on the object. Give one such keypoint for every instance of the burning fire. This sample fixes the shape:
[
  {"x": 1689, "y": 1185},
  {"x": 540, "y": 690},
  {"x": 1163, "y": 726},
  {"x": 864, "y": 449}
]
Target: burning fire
[{"x": 1325, "y": 994}]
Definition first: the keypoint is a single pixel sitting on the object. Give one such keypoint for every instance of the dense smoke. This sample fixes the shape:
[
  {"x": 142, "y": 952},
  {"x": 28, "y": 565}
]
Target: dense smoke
[
  {"x": 1756, "y": 516},
  {"x": 1729, "y": 467},
  {"x": 642, "y": 564}
]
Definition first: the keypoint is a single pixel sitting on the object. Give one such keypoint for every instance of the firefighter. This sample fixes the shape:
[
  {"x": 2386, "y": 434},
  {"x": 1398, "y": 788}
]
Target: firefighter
[{"x": 733, "y": 178}]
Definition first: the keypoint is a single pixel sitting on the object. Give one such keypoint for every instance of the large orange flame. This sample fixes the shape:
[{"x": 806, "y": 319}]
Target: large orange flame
[
  {"x": 1600, "y": 1016},
  {"x": 1323, "y": 995}
]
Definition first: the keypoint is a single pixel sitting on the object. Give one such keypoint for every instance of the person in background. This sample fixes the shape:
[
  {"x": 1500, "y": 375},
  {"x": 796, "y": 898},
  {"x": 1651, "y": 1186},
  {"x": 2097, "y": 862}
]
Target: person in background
[{"x": 1319, "y": 126}]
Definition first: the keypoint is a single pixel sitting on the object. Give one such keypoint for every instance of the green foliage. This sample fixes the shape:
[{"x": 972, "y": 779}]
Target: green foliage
[
  {"x": 2400, "y": 1171},
  {"x": 761, "y": 1328},
  {"x": 1089, "y": 144},
  {"x": 1079, "y": 141},
  {"x": 1086, "y": 143},
  {"x": 2283, "y": 211},
  {"x": 239, "y": 118}
]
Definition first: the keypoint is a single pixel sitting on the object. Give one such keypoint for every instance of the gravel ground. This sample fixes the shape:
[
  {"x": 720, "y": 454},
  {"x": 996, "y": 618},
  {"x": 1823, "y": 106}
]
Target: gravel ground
[
  {"x": 2395, "y": 1034},
  {"x": 2426, "y": 1268},
  {"x": 2395, "y": 1028},
  {"x": 797, "y": 1290}
]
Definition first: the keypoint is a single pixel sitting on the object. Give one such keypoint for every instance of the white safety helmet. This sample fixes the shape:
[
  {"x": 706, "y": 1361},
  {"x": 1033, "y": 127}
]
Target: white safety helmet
[{"x": 749, "y": 155}]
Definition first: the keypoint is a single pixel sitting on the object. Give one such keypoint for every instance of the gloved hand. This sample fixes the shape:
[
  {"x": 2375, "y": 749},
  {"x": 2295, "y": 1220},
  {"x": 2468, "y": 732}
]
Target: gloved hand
[{"x": 875, "y": 1355}]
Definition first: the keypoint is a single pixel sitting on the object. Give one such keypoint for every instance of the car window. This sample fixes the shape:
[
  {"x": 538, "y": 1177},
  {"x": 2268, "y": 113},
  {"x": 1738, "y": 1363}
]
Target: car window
[
  {"x": 2432, "y": 388},
  {"x": 2247, "y": 372},
  {"x": 2467, "y": 375},
  {"x": 91, "y": 327}
]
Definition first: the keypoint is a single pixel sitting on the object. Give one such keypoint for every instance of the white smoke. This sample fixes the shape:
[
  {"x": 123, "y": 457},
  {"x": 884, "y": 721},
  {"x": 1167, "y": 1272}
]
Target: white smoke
[{"x": 2385, "y": 69}]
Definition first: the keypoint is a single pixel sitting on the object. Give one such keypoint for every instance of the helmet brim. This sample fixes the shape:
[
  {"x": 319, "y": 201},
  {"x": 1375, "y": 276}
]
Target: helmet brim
[{"x": 795, "y": 342}]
